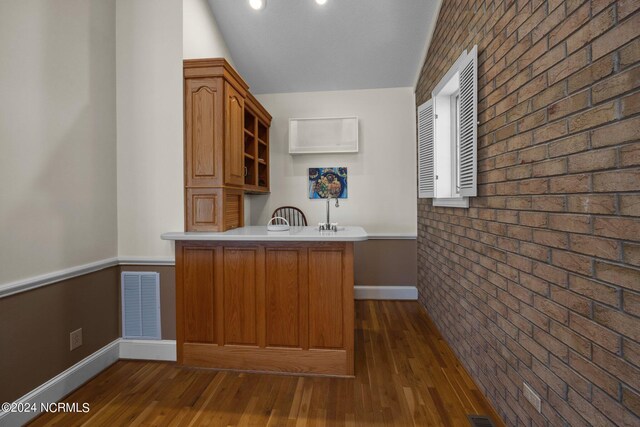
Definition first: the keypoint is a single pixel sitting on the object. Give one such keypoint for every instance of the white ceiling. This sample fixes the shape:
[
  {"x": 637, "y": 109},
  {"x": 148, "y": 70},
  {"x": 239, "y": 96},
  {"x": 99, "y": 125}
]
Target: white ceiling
[{"x": 299, "y": 46}]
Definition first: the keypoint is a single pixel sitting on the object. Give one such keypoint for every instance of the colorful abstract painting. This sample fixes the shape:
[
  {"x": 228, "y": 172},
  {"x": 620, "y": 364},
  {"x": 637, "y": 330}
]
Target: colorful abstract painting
[{"x": 327, "y": 183}]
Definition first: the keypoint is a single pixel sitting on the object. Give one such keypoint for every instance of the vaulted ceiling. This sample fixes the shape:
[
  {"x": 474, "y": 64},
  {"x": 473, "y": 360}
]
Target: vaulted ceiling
[{"x": 299, "y": 46}]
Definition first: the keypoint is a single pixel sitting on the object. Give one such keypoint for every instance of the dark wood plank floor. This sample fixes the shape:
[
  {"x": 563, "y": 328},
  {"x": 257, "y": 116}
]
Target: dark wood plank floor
[{"x": 405, "y": 375}]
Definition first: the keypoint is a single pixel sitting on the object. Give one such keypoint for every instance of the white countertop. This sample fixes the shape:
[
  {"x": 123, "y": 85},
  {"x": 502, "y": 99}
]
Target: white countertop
[{"x": 261, "y": 234}]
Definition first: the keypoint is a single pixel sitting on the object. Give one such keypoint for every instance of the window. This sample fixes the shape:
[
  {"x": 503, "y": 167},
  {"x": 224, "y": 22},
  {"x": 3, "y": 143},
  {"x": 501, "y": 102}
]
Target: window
[{"x": 447, "y": 136}]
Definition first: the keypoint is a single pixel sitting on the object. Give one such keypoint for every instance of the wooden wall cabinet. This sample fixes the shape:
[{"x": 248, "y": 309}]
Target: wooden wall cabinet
[
  {"x": 218, "y": 110},
  {"x": 266, "y": 306}
]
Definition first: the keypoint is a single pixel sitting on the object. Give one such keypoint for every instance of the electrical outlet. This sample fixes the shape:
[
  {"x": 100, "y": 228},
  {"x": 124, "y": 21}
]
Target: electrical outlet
[
  {"x": 75, "y": 339},
  {"x": 532, "y": 397}
]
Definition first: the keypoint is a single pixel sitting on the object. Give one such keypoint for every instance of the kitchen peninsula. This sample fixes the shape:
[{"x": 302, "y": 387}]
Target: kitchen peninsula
[{"x": 257, "y": 300}]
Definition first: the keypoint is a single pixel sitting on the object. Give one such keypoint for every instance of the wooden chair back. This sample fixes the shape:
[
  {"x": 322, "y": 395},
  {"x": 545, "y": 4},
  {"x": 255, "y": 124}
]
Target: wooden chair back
[{"x": 292, "y": 214}]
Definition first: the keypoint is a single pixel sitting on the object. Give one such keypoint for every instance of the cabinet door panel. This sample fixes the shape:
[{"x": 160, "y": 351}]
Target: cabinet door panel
[
  {"x": 234, "y": 137},
  {"x": 203, "y": 132},
  {"x": 284, "y": 282},
  {"x": 198, "y": 283},
  {"x": 240, "y": 295},
  {"x": 325, "y": 298}
]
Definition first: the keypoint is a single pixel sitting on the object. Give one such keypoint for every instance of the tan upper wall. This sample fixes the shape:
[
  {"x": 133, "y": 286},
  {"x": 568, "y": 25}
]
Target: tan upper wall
[
  {"x": 57, "y": 135},
  {"x": 381, "y": 176}
]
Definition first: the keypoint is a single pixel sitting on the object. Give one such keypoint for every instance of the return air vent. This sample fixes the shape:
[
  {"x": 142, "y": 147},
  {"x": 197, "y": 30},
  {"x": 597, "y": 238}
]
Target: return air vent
[
  {"x": 480, "y": 421},
  {"x": 141, "y": 305}
]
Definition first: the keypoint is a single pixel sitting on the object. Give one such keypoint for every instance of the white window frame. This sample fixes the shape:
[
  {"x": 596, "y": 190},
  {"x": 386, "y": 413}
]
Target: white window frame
[{"x": 440, "y": 151}]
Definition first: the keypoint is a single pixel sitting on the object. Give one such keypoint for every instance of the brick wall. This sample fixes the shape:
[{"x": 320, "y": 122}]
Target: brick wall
[{"x": 539, "y": 280}]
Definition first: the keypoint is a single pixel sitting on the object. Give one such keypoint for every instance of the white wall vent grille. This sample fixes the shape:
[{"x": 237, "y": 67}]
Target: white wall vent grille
[{"x": 141, "y": 305}]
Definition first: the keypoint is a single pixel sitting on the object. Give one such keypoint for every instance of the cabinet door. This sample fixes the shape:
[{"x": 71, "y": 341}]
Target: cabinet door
[
  {"x": 233, "y": 138},
  {"x": 203, "y": 113}
]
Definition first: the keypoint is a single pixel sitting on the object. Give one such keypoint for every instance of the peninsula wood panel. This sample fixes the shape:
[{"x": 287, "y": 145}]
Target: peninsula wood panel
[
  {"x": 198, "y": 294},
  {"x": 203, "y": 132},
  {"x": 257, "y": 296},
  {"x": 286, "y": 301},
  {"x": 234, "y": 137},
  {"x": 325, "y": 298},
  {"x": 243, "y": 282}
]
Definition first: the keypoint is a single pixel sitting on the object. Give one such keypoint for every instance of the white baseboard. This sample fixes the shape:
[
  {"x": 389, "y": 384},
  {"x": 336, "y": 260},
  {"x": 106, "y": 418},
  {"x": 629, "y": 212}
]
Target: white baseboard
[
  {"x": 148, "y": 349},
  {"x": 62, "y": 384},
  {"x": 386, "y": 292}
]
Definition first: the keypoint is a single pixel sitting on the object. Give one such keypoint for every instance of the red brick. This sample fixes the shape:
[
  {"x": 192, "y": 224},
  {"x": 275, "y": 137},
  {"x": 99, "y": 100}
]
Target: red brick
[
  {"x": 571, "y": 300},
  {"x": 534, "y": 219},
  {"x": 535, "y": 316},
  {"x": 627, "y": 7},
  {"x": 593, "y": 117},
  {"x": 570, "y": 222},
  {"x": 534, "y": 284},
  {"x": 598, "y": 6},
  {"x": 576, "y": 102},
  {"x": 550, "y": 273},
  {"x": 630, "y": 155},
  {"x": 616, "y": 85},
  {"x": 585, "y": 409},
  {"x": 566, "y": 411},
  {"x": 549, "y": 95},
  {"x": 594, "y": 290},
  {"x": 618, "y": 36},
  {"x": 595, "y": 27},
  {"x": 519, "y": 172},
  {"x": 546, "y": 61},
  {"x": 570, "y": 184},
  {"x": 596, "y": 246},
  {"x": 618, "y": 180},
  {"x": 617, "y": 133},
  {"x": 572, "y": 262},
  {"x": 575, "y": 341},
  {"x": 592, "y": 160},
  {"x": 631, "y": 400},
  {"x": 569, "y": 25},
  {"x": 631, "y": 303},
  {"x": 631, "y": 253},
  {"x": 554, "y": 311},
  {"x": 595, "y": 332},
  {"x": 531, "y": 22},
  {"x": 588, "y": 75},
  {"x": 620, "y": 275},
  {"x": 568, "y": 375},
  {"x": 612, "y": 409},
  {"x": 567, "y": 67},
  {"x": 553, "y": 239},
  {"x": 630, "y": 54},
  {"x": 548, "y": 203},
  {"x": 630, "y": 105},
  {"x": 533, "y": 347},
  {"x": 619, "y": 228},
  {"x": 618, "y": 321},
  {"x": 631, "y": 351},
  {"x": 538, "y": 252},
  {"x": 569, "y": 145},
  {"x": 550, "y": 167},
  {"x": 592, "y": 204}
]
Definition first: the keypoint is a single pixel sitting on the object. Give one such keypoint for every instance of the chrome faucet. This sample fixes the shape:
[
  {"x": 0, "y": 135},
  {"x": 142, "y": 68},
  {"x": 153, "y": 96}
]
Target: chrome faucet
[{"x": 326, "y": 226}]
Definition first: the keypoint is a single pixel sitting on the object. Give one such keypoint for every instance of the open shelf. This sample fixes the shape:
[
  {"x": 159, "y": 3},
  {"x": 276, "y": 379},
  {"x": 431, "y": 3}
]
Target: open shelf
[{"x": 256, "y": 148}]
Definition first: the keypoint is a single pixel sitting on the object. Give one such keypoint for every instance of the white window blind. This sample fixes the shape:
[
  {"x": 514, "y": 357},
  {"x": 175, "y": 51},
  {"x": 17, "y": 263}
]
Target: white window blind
[
  {"x": 426, "y": 177},
  {"x": 447, "y": 136},
  {"x": 468, "y": 160}
]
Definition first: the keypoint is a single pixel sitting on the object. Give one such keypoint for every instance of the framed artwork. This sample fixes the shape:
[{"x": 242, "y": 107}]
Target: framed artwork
[{"x": 327, "y": 183}]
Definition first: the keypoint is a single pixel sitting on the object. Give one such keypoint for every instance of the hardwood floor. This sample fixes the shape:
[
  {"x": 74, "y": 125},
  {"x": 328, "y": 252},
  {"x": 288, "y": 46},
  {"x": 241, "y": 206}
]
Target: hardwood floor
[{"x": 405, "y": 375}]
